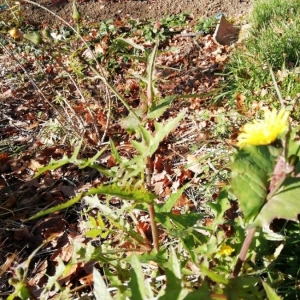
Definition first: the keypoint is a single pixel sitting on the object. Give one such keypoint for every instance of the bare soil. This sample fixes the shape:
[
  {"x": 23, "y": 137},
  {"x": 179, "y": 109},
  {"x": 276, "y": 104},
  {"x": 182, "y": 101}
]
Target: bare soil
[{"x": 99, "y": 11}]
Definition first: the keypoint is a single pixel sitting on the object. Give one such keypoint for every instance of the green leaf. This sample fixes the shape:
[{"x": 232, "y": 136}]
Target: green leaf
[
  {"x": 293, "y": 142},
  {"x": 76, "y": 15},
  {"x": 167, "y": 207},
  {"x": 243, "y": 288},
  {"x": 251, "y": 171},
  {"x": 114, "y": 151},
  {"x": 81, "y": 163},
  {"x": 90, "y": 162},
  {"x": 123, "y": 41},
  {"x": 56, "y": 208},
  {"x": 214, "y": 276},
  {"x": 162, "y": 130},
  {"x": 181, "y": 221},
  {"x": 20, "y": 292},
  {"x": 201, "y": 293},
  {"x": 131, "y": 121},
  {"x": 34, "y": 37},
  {"x": 54, "y": 164},
  {"x": 137, "y": 193},
  {"x": 174, "y": 288},
  {"x": 283, "y": 205},
  {"x": 147, "y": 136},
  {"x": 160, "y": 257},
  {"x": 134, "y": 167},
  {"x": 128, "y": 192},
  {"x": 114, "y": 219},
  {"x": 220, "y": 207},
  {"x": 157, "y": 109},
  {"x": 136, "y": 283},
  {"x": 271, "y": 294},
  {"x": 140, "y": 147},
  {"x": 96, "y": 233},
  {"x": 100, "y": 289}
]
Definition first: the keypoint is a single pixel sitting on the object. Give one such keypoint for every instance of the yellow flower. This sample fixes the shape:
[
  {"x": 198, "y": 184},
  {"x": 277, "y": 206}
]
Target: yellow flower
[
  {"x": 225, "y": 250},
  {"x": 266, "y": 131},
  {"x": 15, "y": 33}
]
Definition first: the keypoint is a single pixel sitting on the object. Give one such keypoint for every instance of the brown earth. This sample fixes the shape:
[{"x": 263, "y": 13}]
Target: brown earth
[{"x": 98, "y": 11}]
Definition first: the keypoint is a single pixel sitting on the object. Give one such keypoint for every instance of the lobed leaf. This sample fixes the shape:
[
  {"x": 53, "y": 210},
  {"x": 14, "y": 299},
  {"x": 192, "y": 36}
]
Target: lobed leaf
[
  {"x": 127, "y": 192},
  {"x": 157, "y": 109},
  {"x": 162, "y": 130},
  {"x": 81, "y": 163},
  {"x": 136, "y": 193}
]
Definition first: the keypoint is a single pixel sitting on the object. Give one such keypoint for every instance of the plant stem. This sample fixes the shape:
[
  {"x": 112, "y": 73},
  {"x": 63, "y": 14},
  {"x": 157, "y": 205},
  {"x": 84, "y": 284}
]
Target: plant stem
[
  {"x": 153, "y": 227},
  {"x": 242, "y": 256},
  {"x": 151, "y": 207}
]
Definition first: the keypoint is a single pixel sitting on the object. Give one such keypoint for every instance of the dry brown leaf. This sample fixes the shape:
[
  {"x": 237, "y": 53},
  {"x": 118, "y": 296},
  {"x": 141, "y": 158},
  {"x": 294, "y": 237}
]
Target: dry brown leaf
[
  {"x": 64, "y": 253},
  {"x": 240, "y": 102},
  {"x": 69, "y": 272},
  {"x": 34, "y": 165},
  {"x": 8, "y": 262},
  {"x": 67, "y": 190},
  {"x": 183, "y": 201},
  {"x": 11, "y": 201},
  {"x": 39, "y": 272},
  {"x": 193, "y": 163}
]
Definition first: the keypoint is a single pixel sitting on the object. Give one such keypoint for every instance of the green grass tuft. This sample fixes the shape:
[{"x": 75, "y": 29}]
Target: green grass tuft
[
  {"x": 274, "y": 41},
  {"x": 265, "y": 11}
]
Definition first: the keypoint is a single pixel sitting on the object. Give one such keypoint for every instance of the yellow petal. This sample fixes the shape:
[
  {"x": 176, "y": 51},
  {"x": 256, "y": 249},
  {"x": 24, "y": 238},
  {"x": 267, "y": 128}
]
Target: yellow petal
[
  {"x": 265, "y": 131},
  {"x": 15, "y": 33},
  {"x": 225, "y": 250}
]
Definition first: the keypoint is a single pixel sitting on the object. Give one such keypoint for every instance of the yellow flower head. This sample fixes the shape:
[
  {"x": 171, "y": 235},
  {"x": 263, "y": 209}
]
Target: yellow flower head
[
  {"x": 15, "y": 33},
  {"x": 266, "y": 131},
  {"x": 225, "y": 250}
]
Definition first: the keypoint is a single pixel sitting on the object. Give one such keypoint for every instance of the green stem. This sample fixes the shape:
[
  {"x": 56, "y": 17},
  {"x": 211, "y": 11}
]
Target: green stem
[
  {"x": 151, "y": 207},
  {"x": 153, "y": 227}
]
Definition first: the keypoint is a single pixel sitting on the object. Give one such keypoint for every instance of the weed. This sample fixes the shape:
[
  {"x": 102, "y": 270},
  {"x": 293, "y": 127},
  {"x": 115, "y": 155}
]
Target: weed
[{"x": 206, "y": 25}]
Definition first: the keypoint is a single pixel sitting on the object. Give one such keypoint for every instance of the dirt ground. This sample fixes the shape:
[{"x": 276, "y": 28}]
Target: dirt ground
[{"x": 155, "y": 9}]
